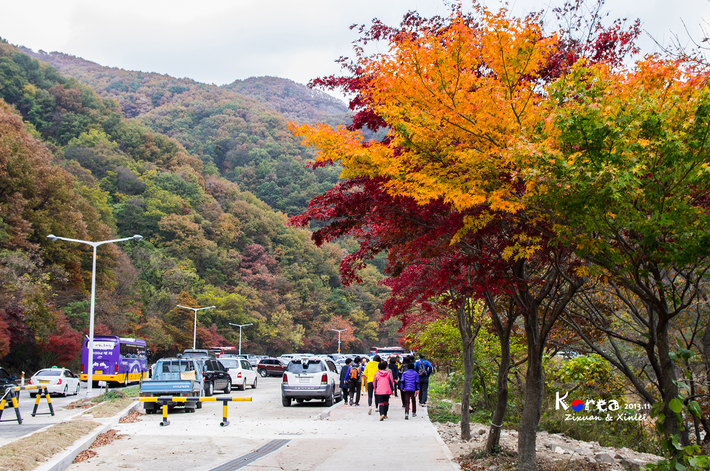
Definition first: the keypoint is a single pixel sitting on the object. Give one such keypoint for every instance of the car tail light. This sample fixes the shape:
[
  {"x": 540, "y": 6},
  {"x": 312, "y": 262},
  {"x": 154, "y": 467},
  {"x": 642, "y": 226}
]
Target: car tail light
[
  {"x": 115, "y": 369},
  {"x": 30, "y": 382},
  {"x": 285, "y": 378},
  {"x": 82, "y": 367},
  {"x": 324, "y": 379},
  {"x": 239, "y": 375},
  {"x": 59, "y": 381}
]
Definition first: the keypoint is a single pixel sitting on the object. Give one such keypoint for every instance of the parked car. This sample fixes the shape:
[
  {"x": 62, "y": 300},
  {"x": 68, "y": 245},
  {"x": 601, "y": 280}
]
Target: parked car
[
  {"x": 216, "y": 376},
  {"x": 173, "y": 377},
  {"x": 5, "y": 379},
  {"x": 57, "y": 381},
  {"x": 253, "y": 360},
  {"x": 240, "y": 371},
  {"x": 189, "y": 353},
  {"x": 311, "y": 378},
  {"x": 270, "y": 367}
]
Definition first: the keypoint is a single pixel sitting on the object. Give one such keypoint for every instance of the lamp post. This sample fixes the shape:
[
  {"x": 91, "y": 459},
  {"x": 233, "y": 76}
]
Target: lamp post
[
  {"x": 338, "y": 331},
  {"x": 194, "y": 329},
  {"x": 90, "y": 360},
  {"x": 240, "y": 334}
]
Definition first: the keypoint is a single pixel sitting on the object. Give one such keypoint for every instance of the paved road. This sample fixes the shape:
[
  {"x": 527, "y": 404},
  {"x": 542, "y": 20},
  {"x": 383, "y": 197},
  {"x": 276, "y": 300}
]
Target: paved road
[
  {"x": 293, "y": 438},
  {"x": 11, "y": 430}
]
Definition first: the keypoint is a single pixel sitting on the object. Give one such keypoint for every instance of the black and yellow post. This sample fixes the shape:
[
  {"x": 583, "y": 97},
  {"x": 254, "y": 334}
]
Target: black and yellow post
[
  {"x": 224, "y": 422},
  {"x": 43, "y": 392},
  {"x": 11, "y": 393},
  {"x": 165, "y": 421},
  {"x": 164, "y": 401}
]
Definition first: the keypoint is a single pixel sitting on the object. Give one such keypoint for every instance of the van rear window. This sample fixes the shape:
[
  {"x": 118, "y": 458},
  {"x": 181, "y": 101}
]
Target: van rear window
[{"x": 305, "y": 367}]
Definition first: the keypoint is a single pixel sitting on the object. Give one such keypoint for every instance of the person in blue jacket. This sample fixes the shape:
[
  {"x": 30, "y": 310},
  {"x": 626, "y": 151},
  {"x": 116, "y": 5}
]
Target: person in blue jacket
[
  {"x": 424, "y": 370},
  {"x": 345, "y": 379},
  {"x": 409, "y": 384}
]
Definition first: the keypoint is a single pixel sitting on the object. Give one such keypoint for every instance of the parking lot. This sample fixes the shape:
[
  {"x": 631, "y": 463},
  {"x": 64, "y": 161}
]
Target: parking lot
[{"x": 291, "y": 438}]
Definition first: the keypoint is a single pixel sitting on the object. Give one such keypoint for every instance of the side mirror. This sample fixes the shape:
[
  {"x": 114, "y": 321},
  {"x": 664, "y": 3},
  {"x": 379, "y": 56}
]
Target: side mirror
[
  {"x": 179, "y": 355},
  {"x": 13, "y": 378}
]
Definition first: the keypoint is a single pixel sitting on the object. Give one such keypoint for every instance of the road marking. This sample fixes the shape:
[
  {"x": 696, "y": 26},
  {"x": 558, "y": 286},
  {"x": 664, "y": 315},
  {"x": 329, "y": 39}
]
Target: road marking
[{"x": 249, "y": 458}]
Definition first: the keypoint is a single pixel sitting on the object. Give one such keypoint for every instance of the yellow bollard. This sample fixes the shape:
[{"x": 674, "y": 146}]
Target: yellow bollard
[{"x": 165, "y": 421}]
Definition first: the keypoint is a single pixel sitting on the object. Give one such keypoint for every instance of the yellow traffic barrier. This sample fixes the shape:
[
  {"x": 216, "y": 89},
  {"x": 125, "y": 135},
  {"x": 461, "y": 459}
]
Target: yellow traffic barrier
[
  {"x": 164, "y": 401},
  {"x": 43, "y": 392}
]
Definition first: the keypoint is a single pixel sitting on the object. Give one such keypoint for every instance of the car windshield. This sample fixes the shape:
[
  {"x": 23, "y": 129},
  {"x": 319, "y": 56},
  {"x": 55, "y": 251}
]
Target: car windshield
[
  {"x": 49, "y": 373},
  {"x": 229, "y": 363},
  {"x": 176, "y": 366},
  {"x": 305, "y": 366}
]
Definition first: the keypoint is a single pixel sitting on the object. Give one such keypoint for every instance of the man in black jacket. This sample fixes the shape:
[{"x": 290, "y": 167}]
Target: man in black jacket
[{"x": 345, "y": 379}]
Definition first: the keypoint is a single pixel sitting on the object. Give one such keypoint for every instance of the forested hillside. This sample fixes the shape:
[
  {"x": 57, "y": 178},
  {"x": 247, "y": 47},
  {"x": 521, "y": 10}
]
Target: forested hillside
[
  {"x": 237, "y": 130},
  {"x": 72, "y": 165}
]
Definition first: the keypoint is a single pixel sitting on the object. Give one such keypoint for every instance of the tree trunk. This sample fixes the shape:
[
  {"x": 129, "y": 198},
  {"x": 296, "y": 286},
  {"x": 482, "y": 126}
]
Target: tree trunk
[
  {"x": 503, "y": 332},
  {"x": 493, "y": 441},
  {"x": 468, "y": 336},
  {"x": 669, "y": 387},
  {"x": 534, "y": 390}
]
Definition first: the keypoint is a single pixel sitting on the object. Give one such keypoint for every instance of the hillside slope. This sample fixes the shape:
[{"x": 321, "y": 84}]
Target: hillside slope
[{"x": 237, "y": 130}]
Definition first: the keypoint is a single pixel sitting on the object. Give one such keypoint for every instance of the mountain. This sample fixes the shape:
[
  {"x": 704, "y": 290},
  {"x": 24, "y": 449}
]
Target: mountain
[{"x": 237, "y": 130}]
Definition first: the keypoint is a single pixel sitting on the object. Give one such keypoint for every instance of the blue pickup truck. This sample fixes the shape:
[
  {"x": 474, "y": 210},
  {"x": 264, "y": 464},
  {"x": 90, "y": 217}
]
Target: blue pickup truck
[{"x": 174, "y": 377}]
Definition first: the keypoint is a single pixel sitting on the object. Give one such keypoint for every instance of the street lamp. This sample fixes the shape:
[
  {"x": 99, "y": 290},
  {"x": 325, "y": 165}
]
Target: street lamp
[
  {"x": 90, "y": 362},
  {"x": 194, "y": 330},
  {"x": 338, "y": 331},
  {"x": 240, "y": 334}
]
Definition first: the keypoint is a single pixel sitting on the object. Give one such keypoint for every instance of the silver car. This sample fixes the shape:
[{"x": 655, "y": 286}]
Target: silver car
[{"x": 310, "y": 378}]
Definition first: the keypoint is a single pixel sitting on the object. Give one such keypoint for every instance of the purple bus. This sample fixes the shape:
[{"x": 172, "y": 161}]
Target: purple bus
[{"x": 116, "y": 359}]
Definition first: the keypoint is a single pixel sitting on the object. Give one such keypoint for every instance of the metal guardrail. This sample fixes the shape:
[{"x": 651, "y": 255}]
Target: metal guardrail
[
  {"x": 165, "y": 400},
  {"x": 42, "y": 392}
]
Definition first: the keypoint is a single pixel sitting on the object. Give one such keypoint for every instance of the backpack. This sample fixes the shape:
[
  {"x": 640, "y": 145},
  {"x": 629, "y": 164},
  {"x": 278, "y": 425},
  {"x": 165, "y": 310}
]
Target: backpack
[
  {"x": 355, "y": 373},
  {"x": 422, "y": 369}
]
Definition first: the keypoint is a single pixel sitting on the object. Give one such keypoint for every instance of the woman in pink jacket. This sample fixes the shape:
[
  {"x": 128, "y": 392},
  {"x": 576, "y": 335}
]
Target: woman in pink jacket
[{"x": 383, "y": 386}]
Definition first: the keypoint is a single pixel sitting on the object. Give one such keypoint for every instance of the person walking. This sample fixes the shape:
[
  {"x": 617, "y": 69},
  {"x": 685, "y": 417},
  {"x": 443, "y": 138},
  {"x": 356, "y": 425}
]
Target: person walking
[
  {"x": 424, "y": 370},
  {"x": 405, "y": 361},
  {"x": 363, "y": 364},
  {"x": 355, "y": 379},
  {"x": 370, "y": 369},
  {"x": 394, "y": 369},
  {"x": 410, "y": 385},
  {"x": 345, "y": 379},
  {"x": 383, "y": 385}
]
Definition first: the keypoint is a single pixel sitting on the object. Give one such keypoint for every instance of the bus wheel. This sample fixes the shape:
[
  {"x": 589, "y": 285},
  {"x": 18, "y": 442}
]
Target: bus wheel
[{"x": 125, "y": 380}]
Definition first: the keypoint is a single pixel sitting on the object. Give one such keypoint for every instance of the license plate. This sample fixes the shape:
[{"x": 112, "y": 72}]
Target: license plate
[
  {"x": 304, "y": 380},
  {"x": 98, "y": 372},
  {"x": 43, "y": 381}
]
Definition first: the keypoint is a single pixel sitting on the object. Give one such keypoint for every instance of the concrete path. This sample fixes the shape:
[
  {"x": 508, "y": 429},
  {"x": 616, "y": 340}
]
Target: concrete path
[{"x": 291, "y": 438}]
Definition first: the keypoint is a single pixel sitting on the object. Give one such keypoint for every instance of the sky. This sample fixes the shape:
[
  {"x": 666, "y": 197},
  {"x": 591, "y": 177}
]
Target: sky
[{"x": 219, "y": 41}]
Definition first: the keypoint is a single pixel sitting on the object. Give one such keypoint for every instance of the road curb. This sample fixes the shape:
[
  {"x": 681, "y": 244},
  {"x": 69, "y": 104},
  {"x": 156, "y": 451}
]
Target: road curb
[
  {"x": 444, "y": 446},
  {"x": 324, "y": 415},
  {"x": 65, "y": 458}
]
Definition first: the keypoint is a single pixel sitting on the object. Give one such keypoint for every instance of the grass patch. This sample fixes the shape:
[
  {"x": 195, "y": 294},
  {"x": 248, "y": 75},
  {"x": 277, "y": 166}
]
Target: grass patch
[
  {"x": 29, "y": 452},
  {"x": 112, "y": 407}
]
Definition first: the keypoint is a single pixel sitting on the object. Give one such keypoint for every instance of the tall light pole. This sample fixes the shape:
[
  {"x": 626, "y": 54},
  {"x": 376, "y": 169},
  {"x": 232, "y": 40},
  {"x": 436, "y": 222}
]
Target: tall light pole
[
  {"x": 194, "y": 329},
  {"x": 240, "y": 334},
  {"x": 338, "y": 331},
  {"x": 90, "y": 362}
]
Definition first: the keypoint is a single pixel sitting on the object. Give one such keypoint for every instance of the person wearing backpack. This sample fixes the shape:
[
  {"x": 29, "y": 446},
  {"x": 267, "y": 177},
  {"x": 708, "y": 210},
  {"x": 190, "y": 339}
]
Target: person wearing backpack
[
  {"x": 394, "y": 368},
  {"x": 345, "y": 379},
  {"x": 383, "y": 386},
  {"x": 424, "y": 370},
  {"x": 355, "y": 379},
  {"x": 370, "y": 370},
  {"x": 410, "y": 385}
]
